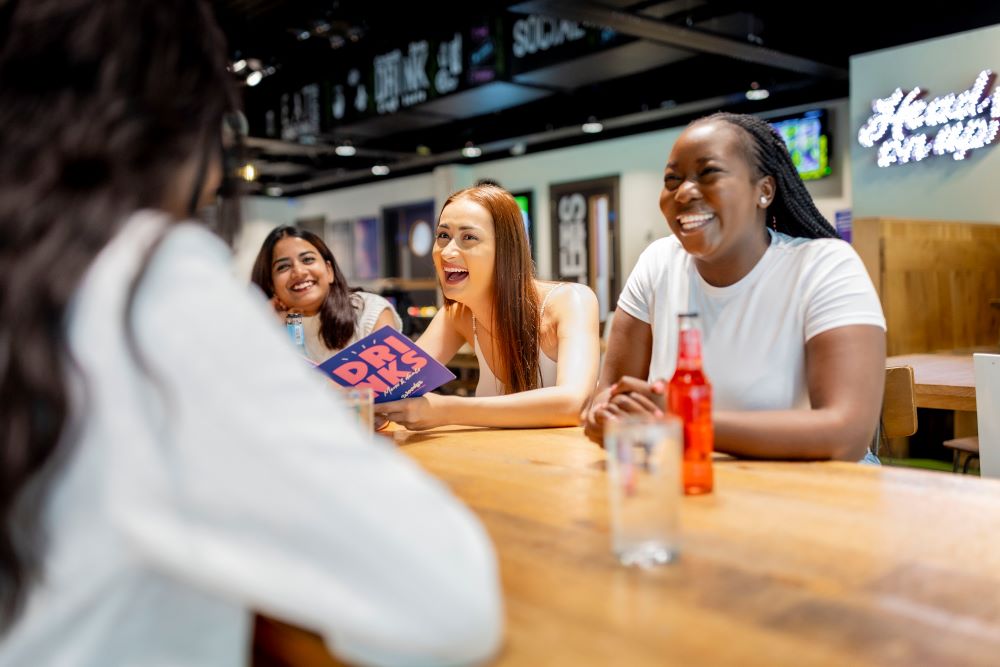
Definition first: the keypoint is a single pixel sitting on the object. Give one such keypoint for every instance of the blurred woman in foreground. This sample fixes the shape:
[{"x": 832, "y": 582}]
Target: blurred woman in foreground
[{"x": 165, "y": 464}]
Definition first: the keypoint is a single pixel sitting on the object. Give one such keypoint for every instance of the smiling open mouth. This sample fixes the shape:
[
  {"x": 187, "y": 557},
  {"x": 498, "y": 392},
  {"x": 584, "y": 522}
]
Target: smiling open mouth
[
  {"x": 302, "y": 286},
  {"x": 453, "y": 276},
  {"x": 690, "y": 223}
]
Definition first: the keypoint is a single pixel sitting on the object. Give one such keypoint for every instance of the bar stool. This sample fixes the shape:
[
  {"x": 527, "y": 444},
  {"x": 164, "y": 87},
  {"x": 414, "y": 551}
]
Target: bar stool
[{"x": 969, "y": 445}]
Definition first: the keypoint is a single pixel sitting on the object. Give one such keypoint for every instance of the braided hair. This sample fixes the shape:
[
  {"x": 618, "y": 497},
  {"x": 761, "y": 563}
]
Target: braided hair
[{"x": 792, "y": 210}]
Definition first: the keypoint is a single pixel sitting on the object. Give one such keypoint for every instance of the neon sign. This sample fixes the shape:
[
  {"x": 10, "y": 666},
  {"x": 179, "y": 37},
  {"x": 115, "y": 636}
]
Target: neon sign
[{"x": 908, "y": 128}]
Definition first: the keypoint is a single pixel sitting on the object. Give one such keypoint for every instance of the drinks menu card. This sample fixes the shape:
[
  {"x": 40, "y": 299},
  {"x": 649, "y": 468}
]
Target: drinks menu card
[{"x": 390, "y": 364}]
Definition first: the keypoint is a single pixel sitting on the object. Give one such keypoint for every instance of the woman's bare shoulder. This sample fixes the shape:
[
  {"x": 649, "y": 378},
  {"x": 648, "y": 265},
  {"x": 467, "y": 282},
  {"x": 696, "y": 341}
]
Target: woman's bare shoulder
[
  {"x": 567, "y": 294},
  {"x": 568, "y": 302}
]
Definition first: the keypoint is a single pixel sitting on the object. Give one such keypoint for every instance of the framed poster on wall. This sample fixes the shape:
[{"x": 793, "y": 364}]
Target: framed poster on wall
[
  {"x": 353, "y": 242},
  {"x": 340, "y": 238},
  {"x": 315, "y": 224},
  {"x": 585, "y": 237},
  {"x": 409, "y": 238},
  {"x": 367, "y": 258}
]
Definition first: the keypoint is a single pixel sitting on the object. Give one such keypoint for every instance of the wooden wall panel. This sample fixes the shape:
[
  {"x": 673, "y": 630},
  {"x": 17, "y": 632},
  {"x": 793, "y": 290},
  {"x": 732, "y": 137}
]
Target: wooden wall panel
[{"x": 935, "y": 279}]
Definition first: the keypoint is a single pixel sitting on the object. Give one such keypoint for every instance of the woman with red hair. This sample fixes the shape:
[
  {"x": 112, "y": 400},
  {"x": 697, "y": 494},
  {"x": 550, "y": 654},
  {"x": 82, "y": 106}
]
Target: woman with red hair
[{"x": 536, "y": 342}]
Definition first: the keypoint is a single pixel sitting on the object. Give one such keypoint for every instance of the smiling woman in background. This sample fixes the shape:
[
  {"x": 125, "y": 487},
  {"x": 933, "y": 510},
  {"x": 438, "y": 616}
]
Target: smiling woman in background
[
  {"x": 166, "y": 464},
  {"x": 297, "y": 271},
  {"x": 794, "y": 337},
  {"x": 536, "y": 341}
]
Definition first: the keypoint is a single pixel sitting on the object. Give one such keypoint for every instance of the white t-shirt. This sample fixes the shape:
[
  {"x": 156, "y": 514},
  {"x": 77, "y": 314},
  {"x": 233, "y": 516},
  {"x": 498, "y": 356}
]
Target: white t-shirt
[
  {"x": 754, "y": 331},
  {"x": 233, "y": 480}
]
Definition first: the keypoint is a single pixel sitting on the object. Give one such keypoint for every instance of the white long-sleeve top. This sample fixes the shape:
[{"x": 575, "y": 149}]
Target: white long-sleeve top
[{"x": 228, "y": 480}]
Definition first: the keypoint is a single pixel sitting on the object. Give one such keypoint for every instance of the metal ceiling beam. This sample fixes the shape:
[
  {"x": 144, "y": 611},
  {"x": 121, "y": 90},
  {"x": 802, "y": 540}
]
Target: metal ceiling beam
[
  {"x": 500, "y": 149},
  {"x": 319, "y": 149},
  {"x": 672, "y": 35}
]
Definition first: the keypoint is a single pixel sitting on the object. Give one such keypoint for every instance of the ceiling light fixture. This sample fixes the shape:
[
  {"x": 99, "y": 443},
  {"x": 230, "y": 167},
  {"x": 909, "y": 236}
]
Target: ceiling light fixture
[
  {"x": 757, "y": 93},
  {"x": 591, "y": 126},
  {"x": 345, "y": 149},
  {"x": 520, "y": 148},
  {"x": 253, "y": 78},
  {"x": 239, "y": 66},
  {"x": 274, "y": 191},
  {"x": 471, "y": 150},
  {"x": 248, "y": 172},
  {"x": 380, "y": 170}
]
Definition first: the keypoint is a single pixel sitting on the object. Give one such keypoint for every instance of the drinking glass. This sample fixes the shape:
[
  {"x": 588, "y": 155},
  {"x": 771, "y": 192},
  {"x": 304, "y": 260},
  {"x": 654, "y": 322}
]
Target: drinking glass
[{"x": 644, "y": 474}]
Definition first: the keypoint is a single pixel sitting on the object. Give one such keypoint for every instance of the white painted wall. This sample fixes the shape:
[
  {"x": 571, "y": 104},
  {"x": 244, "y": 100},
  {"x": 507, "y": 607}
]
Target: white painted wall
[
  {"x": 638, "y": 160},
  {"x": 260, "y": 216},
  {"x": 369, "y": 199},
  {"x": 938, "y": 188}
]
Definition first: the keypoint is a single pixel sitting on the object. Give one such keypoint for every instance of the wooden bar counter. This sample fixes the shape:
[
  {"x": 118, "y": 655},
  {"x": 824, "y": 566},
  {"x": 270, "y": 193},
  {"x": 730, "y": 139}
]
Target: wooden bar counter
[{"x": 785, "y": 564}]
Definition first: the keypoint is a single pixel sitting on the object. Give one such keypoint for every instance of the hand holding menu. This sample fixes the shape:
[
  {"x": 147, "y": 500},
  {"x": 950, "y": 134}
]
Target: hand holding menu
[{"x": 390, "y": 364}]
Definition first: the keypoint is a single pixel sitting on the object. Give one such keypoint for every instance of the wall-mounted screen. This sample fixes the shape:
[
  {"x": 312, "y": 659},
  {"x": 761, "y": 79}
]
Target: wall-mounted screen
[
  {"x": 524, "y": 203},
  {"x": 807, "y": 137}
]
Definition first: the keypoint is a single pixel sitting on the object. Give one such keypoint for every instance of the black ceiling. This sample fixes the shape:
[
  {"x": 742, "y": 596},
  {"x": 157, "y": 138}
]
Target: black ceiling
[{"x": 665, "y": 63}]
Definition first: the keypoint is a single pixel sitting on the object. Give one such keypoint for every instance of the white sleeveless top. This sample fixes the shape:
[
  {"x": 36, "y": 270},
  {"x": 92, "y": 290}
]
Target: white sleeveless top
[{"x": 489, "y": 385}]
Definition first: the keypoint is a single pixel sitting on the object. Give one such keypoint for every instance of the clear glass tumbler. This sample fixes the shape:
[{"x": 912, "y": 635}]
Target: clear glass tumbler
[{"x": 644, "y": 474}]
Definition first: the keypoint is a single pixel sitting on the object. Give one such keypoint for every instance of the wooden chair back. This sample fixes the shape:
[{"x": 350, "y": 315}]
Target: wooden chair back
[{"x": 899, "y": 403}]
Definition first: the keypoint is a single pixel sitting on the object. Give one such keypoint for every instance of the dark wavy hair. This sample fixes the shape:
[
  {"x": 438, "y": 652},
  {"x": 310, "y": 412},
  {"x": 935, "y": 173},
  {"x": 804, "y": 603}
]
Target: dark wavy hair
[
  {"x": 337, "y": 313},
  {"x": 102, "y": 105},
  {"x": 792, "y": 211},
  {"x": 516, "y": 309}
]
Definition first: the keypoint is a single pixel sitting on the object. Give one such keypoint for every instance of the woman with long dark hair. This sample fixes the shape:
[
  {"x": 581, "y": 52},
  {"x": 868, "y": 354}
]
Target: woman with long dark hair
[
  {"x": 165, "y": 464},
  {"x": 794, "y": 337},
  {"x": 297, "y": 271},
  {"x": 536, "y": 342}
]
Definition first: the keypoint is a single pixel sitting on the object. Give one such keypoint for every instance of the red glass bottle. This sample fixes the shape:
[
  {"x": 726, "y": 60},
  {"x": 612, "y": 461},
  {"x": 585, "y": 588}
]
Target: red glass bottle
[{"x": 690, "y": 398}]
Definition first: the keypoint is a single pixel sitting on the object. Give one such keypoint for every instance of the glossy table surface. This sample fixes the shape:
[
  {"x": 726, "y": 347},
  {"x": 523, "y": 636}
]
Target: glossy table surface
[{"x": 785, "y": 563}]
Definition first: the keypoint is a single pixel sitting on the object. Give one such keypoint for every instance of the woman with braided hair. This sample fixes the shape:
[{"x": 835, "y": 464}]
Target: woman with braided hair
[{"x": 794, "y": 336}]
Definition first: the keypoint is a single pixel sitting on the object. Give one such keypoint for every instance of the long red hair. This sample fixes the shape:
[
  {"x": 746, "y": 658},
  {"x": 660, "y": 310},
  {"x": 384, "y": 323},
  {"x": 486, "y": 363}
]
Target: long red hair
[{"x": 516, "y": 314}]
